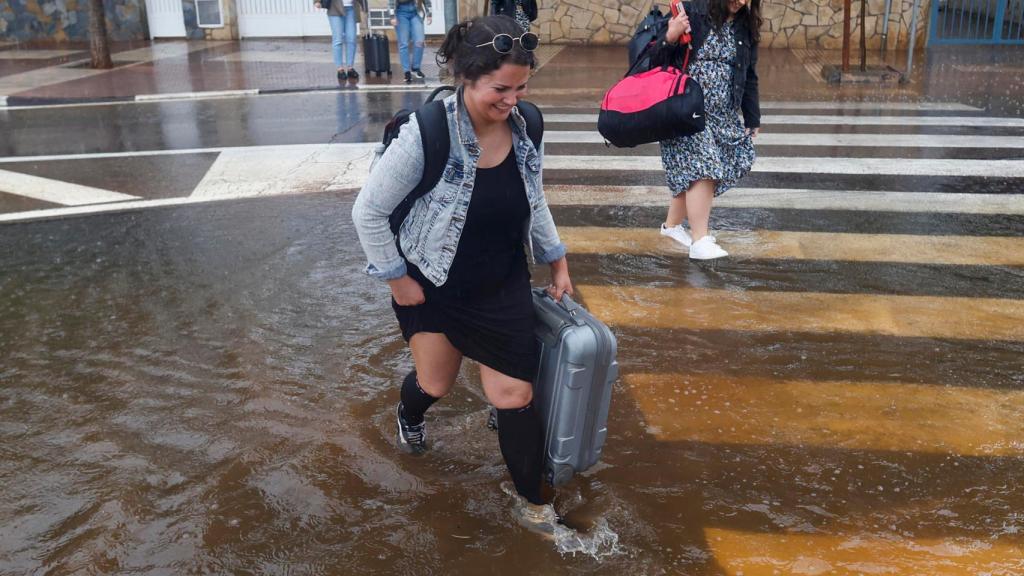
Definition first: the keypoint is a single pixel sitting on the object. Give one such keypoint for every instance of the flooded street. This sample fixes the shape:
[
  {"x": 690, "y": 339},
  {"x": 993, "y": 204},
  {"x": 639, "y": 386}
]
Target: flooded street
[{"x": 208, "y": 388}]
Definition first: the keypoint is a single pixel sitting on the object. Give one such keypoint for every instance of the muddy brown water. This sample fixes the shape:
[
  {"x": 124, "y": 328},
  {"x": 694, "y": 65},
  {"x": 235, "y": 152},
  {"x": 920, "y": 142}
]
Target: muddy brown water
[{"x": 208, "y": 390}]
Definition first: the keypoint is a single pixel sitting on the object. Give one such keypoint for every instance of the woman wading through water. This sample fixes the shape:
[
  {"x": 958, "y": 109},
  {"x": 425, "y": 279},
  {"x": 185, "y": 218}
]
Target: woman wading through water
[{"x": 459, "y": 274}]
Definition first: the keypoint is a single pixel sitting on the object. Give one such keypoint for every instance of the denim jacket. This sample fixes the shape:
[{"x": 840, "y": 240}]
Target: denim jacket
[{"x": 430, "y": 235}]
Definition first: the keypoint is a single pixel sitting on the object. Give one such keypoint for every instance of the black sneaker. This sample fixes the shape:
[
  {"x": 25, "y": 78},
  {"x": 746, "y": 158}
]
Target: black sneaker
[
  {"x": 412, "y": 439},
  {"x": 418, "y": 74},
  {"x": 341, "y": 75},
  {"x": 408, "y": 78},
  {"x": 352, "y": 74}
]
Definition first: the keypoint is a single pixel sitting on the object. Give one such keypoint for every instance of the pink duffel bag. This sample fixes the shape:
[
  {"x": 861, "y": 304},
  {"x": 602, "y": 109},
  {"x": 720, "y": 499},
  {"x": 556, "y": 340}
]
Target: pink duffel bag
[{"x": 656, "y": 105}]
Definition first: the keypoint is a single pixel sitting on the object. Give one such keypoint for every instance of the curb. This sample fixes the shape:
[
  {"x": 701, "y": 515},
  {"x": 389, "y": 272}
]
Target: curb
[
  {"x": 10, "y": 102},
  {"x": 16, "y": 101}
]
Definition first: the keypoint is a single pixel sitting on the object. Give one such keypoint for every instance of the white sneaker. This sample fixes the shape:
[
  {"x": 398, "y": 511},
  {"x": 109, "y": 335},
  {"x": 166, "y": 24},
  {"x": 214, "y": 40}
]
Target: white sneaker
[
  {"x": 677, "y": 233},
  {"x": 706, "y": 249}
]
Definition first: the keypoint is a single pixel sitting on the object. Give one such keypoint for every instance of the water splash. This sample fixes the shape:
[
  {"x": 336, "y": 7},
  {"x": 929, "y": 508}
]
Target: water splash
[{"x": 599, "y": 543}]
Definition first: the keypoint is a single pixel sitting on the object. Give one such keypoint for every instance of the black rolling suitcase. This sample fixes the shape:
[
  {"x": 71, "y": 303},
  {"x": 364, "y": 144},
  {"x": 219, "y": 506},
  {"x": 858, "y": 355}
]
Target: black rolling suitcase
[{"x": 377, "y": 54}]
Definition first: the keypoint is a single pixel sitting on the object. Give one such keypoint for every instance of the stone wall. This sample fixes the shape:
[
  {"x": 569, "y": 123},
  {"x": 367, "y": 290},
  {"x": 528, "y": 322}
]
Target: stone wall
[
  {"x": 819, "y": 23},
  {"x": 788, "y": 23},
  {"x": 68, "y": 20}
]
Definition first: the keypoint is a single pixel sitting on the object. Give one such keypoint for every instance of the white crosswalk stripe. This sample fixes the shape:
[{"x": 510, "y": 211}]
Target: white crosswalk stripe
[
  {"x": 796, "y": 199},
  {"x": 282, "y": 169},
  {"x": 803, "y": 165},
  {"x": 849, "y": 140},
  {"x": 870, "y": 106},
  {"x": 56, "y": 191},
  {"x": 819, "y": 120}
]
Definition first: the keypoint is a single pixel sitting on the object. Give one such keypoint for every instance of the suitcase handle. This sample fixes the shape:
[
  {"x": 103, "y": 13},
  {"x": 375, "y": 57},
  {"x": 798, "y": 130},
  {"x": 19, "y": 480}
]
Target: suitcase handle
[
  {"x": 570, "y": 306},
  {"x": 567, "y": 303}
]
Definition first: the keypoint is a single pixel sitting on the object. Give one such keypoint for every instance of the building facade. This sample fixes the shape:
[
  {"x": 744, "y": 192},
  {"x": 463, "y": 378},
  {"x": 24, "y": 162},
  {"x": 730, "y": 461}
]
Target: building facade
[{"x": 787, "y": 23}]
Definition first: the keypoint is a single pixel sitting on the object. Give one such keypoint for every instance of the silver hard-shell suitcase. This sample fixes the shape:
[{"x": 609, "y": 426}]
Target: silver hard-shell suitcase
[{"x": 573, "y": 388}]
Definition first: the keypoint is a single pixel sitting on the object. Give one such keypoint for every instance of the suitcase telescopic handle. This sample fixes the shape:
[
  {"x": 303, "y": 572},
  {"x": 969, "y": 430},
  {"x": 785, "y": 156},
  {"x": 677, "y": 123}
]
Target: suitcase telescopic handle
[{"x": 570, "y": 306}]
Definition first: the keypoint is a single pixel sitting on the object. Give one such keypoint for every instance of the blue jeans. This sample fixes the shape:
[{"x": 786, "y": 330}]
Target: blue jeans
[
  {"x": 343, "y": 38},
  {"x": 409, "y": 23}
]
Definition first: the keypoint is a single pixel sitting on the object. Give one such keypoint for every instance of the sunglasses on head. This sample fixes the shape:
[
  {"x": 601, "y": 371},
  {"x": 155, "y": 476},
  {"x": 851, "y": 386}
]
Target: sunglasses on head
[{"x": 503, "y": 42}]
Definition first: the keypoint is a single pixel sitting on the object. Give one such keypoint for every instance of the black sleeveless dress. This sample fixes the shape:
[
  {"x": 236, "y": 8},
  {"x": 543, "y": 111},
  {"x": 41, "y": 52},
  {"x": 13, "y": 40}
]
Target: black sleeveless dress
[{"x": 485, "y": 307}]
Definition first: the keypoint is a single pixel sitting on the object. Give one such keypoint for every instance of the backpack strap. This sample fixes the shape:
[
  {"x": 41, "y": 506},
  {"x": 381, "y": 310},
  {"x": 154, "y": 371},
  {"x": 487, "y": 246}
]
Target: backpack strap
[
  {"x": 433, "y": 122},
  {"x": 534, "y": 122}
]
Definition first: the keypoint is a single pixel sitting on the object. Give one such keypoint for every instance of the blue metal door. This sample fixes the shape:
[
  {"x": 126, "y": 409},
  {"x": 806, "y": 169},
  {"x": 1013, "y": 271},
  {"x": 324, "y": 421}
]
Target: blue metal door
[{"x": 977, "y": 22}]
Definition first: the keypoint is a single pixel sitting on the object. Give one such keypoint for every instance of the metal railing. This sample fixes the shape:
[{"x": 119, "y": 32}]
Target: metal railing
[{"x": 977, "y": 22}]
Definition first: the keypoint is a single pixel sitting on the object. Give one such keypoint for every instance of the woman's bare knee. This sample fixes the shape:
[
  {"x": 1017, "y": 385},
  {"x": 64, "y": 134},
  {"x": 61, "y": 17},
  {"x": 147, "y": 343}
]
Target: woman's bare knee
[
  {"x": 511, "y": 397},
  {"x": 437, "y": 363}
]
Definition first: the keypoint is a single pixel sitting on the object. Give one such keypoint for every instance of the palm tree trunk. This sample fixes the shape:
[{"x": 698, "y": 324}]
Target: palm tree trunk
[{"x": 98, "y": 44}]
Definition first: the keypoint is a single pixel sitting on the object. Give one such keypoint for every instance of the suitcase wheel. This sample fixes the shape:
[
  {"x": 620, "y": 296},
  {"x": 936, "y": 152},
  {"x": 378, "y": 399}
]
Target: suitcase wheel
[{"x": 560, "y": 474}]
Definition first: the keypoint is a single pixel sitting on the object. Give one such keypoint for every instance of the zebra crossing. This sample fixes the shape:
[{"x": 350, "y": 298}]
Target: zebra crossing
[{"x": 863, "y": 344}]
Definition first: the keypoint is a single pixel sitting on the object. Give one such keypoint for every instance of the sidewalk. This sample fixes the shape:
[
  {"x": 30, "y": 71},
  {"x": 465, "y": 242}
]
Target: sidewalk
[
  {"x": 570, "y": 75},
  {"x": 53, "y": 75}
]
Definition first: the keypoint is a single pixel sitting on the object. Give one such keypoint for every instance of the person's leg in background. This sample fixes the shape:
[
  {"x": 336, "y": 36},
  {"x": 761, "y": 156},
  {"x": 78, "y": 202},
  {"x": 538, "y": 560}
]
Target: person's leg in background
[
  {"x": 349, "y": 40},
  {"x": 419, "y": 39},
  {"x": 337, "y": 39},
  {"x": 405, "y": 14}
]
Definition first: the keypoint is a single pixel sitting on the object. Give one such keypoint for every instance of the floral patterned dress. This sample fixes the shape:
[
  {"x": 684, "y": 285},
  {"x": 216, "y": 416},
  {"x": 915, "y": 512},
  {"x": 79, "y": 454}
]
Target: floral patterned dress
[
  {"x": 721, "y": 152},
  {"x": 521, "y": 18}
]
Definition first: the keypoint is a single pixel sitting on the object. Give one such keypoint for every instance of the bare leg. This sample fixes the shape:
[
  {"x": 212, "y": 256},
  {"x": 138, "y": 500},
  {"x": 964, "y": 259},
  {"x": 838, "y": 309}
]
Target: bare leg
[
  {"x": 676, "y": 210},
  {"x": 698, "y": 206},
  {"x": 505, "y": 392},
  {"x": 437, "y": 362}
]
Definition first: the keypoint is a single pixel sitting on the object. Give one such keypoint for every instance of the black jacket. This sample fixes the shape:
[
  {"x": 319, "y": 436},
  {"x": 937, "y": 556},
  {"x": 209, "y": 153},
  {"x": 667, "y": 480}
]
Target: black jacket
[
  {"x": 508, "y": 8},
  {"x": 744, "y": 77}
]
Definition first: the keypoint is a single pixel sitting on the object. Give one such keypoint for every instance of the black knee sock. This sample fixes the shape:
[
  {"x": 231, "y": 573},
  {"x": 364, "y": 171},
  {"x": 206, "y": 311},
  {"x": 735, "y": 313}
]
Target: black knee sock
[
  {"x": 521, "y": 441},
  {"x": 414, "y": 400}
]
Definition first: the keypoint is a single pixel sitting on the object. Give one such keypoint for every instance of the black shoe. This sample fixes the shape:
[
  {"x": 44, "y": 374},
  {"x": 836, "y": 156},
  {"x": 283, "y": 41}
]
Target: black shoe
[
  {"x": 419, "y": 73},
  {"x": 342, "y": 75},
  {"x": 408, "y": 78},
  {"x": 352, "y": 74},
  {"x": 412, "y": 439}
]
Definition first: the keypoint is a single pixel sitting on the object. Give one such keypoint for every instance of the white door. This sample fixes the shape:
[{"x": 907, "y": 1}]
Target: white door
[
  {"x": 314, "y": 22},
  {"x": 438, "y": 25},
  {"x": 270, "y": 18},
  {"x": 166, "y": 19}
]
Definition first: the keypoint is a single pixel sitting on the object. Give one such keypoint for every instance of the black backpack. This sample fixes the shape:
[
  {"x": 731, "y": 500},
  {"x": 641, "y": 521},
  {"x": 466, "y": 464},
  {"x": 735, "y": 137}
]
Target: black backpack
[
  {"x": 433, "y": 122},
  {"x": 645, "y": 36}
]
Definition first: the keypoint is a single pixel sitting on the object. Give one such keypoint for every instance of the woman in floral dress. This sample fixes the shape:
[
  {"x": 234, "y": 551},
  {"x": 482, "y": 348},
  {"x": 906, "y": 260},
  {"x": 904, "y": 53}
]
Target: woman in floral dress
[{"x": 724, "y": 36}]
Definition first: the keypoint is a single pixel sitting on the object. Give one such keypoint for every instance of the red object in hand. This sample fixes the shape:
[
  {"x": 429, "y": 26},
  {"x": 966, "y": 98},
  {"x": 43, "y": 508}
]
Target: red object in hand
[{"x": 677, "y": 8}]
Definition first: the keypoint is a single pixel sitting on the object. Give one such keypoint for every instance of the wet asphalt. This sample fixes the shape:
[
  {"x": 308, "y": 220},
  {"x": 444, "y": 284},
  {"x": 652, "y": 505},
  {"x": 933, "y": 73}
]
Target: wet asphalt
[{"x": 208, "y": 388}]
